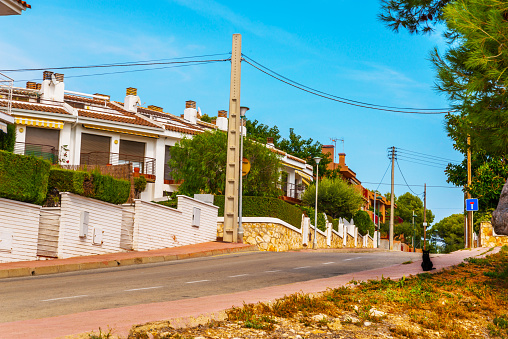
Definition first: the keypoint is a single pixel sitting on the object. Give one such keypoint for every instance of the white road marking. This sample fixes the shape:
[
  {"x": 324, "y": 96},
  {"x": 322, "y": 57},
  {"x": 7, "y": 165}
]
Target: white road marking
[
  {"x": 352, "y": 258},
  {"x": 143, "y": 288},
  {"x": 300, "y": 268},
  {"x": 328, "y": 263},
  {"x": 197, "y": 281},
  {"x": 272, "y": 271},
  {"x": 239, "y": 275},
  {"x": 73, "y": 297}
]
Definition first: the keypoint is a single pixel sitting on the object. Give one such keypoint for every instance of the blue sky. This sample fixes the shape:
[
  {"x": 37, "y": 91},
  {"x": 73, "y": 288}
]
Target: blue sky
[{"x": 340, "y": 48}]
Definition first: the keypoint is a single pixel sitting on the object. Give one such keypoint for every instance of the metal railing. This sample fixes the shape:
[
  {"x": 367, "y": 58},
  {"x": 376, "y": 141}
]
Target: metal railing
[
  {"x": 46, "y": 152},
  {"x": 143, "y": 165},
  {"x": 293, "y": 190}
]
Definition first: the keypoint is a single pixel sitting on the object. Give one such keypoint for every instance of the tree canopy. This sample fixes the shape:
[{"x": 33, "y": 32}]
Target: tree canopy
[
  {"x": 450, "y": 231},
  {"x": 201, "y": 163},
  {"x": 335, "y": 197}
]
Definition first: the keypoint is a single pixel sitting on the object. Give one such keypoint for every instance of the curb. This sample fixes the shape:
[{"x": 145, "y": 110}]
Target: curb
[{"x": 73, "y": 267}]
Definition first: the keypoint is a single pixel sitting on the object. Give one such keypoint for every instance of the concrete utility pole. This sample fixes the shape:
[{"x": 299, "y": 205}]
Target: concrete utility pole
[
  {"x": 469, "y": 233},
  {"x": 392, "y": 200},
  {"x": 424, "y": 216},
  {"x": 233, "y": 150}
]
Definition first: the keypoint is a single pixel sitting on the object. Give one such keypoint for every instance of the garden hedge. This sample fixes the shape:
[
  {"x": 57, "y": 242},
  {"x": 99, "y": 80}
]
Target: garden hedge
[
  {"x": 23, "y": 178},
  {"x": 266, "y": 207},
  {"x": 93, "y": 185}
]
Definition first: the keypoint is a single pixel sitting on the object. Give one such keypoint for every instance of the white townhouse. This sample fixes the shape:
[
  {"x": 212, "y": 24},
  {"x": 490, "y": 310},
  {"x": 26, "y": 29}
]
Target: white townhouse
[{"x": 72, "y": 128}]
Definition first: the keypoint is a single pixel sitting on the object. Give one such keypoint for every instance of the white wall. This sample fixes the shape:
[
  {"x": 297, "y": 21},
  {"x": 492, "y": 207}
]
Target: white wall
[
  {"x": 102, "y": 215},
  {"x": 19, "y": 221},
  {"x": 157, "y": 226}
]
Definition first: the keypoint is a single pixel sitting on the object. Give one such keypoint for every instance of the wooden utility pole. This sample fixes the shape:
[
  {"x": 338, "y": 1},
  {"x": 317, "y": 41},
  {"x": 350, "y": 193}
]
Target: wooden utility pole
[
  {"x": 233, "y": 150},
  {"x": 469, "y": 239},
  {"x": 392, "y": 201},
  {"x": 424, "y": 217}
]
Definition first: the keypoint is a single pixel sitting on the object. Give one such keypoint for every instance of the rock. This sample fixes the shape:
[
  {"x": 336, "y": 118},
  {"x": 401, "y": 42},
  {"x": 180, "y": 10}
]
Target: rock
[
  {"x": 500, "y": 215},
  {"x": 336, "y": 325},
  {"x": 319, "y": 317},
  {"x": 351, "y": 319},
  {"x": 317, "y": 332},
  {"x": 266, "y": 238},
  {"x": 375, "y": 313},
  {"x": 298, "y": 336},
  {"x": 263, "y": 246},
  {"x": 367, "y": 323}
]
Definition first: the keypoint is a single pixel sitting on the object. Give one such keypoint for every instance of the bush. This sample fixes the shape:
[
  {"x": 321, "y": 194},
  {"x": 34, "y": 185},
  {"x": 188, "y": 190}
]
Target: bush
[
  {"x": 23, "y": 178},
  {"x": 364, "y": 223},
  {"x": 266, "y": 207},
  {"x": 8, "y": 140},
  {"x": 139, "y": 185},
  {"x": 109, "y": 189},
  {"x": 310, "y": 212},
  {"x": 95, "y": 185}
]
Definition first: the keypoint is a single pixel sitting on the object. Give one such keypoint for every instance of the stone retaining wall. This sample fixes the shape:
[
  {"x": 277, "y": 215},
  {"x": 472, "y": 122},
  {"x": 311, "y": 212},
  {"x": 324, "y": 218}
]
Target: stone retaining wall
[{"x": 489, "y": 238}]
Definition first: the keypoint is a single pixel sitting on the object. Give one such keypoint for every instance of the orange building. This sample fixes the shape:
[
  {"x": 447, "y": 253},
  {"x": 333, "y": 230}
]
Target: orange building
[{"x": 382, "y": 204}]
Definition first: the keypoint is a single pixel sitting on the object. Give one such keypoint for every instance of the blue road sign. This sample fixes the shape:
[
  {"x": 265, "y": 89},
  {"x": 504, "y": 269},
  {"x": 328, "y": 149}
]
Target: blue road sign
[{"x": 472, "y": 205}]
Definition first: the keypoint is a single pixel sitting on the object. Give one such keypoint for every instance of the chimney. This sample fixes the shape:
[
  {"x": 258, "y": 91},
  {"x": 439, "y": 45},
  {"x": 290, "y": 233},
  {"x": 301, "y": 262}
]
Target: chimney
[
  {"x": 342, "y": 159},
  {"x": 269, "y": 141},
  {"x": 31, "y": 85},
  {"x": 53, "y": 86},
  {"x": 214, "y": 121},
  {"x": 131, "y": 100},
  {"x": 190, "y": 113},
  {"x": 329, "y": 149},
  {"x": 155, "y": 108},
  {"x": 222, "y": 120}
]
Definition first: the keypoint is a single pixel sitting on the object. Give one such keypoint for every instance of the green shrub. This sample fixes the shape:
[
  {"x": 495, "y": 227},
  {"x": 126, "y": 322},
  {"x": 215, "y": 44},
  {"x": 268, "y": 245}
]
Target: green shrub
[
  {"x": 8, "y": 140},
  {"x": 364, "y": 223},
  {"x": 265, "y": 207},
  {"x": 173, "y": 203},
  {"x": 109, "y": 189},
  {"x": 310, "y": 212},
  {"x": 23, "y": 178},
  {"x": 139, "y": 185}
]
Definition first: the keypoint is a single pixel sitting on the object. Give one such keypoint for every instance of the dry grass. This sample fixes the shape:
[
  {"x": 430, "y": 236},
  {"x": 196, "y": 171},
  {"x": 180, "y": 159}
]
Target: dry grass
[{"x": 469, "y": 300}]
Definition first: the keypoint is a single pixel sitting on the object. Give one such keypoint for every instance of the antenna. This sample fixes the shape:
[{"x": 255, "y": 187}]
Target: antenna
[
  {"x": 54, "y": 80},
  {"x": 334, "y": 140}
]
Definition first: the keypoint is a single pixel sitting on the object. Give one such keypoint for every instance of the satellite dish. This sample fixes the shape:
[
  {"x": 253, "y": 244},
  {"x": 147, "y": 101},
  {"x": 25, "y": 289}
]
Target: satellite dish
[
  {"x": 199, "y": 111},
  {"x": 54, "y": 80}
]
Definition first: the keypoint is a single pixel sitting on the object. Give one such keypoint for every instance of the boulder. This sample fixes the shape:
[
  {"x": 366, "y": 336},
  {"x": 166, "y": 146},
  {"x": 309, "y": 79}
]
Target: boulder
[{"x": 500, "y": 215}]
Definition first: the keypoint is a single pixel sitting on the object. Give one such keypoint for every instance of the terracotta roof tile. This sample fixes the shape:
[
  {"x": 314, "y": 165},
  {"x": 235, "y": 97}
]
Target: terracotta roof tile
[
  {"x": 129, "y": 119},
  {"x": 84, "y": 100},
  {"x": 182, "y": 129},
  {"x": 24, "y": 4},
  {"x": 35, "y": 107}
]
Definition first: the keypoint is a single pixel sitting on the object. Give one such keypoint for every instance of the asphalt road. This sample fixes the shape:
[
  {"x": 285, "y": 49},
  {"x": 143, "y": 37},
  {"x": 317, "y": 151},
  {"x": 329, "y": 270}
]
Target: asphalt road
[{"x": 66, "y": 293}]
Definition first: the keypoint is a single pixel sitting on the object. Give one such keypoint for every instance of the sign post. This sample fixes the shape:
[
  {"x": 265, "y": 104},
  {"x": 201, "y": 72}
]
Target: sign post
[{"x": 471, "y": 206}]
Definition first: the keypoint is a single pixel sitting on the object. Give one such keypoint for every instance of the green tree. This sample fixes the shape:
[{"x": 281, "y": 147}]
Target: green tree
[
  {"x": 406, "y": 204},
  {"x": 335, "y": 197},
  {"x": 8, "y": 140},
  {"x": 201, "y": 163},
  {"x": 450, "y": 231},
  {"x": 364, "y": 223}
]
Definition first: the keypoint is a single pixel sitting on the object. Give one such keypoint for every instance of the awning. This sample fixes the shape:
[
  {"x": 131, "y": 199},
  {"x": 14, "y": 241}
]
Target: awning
[
  {"x": 305, "y": 182},
  {"x": 304, "y": 175},
  {"x": 3, "y": 127},
  {"x": 39, "y": 123},
  {"x": 117, "y": 130}
]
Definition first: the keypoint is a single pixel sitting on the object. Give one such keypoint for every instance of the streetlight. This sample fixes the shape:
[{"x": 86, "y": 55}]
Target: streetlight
[
  {"x": 317, "y": 160},
  {"x": 243, "y": 110},
  {"x": 414, "y": 215},
  {"x": 376, "y": 226}
]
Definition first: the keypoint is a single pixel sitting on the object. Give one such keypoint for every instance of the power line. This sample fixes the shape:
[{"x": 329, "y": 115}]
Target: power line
[
  {"x": 423, "y": 163},
  {"x": 405, "y": 179},
  {"x": 433, "y": 186},
  {"x": 383, "y": 176},
  {"x": 403, "y": 156},
  {"x": 112, "y": 65},
  {"x": 426, "y": 155},
  {"x": 129, "y": 71},
  {"x": 340, "y": 99}
]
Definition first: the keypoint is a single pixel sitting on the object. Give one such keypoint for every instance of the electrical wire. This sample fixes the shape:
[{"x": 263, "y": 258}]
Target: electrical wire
[
  {"x": 383, "y": 176},
  {"x": 111, "y": 65},
  {"x": 325, "y": 95},
  {"x": 403, "y": 156},
  {"x": 423, "y": 164},
  {"x": 426, "y": 155},
  {"x": 129, "y": 71},
  {"x": 405, "y": 179},
  {"x": 382, "y": 183}
]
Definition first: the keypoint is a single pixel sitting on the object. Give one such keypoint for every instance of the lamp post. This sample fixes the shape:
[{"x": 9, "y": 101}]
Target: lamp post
[
  {"x": 314, "y": 244},
  {"x": 243, "y": 110},
  {"x": 414, "y": 215}
]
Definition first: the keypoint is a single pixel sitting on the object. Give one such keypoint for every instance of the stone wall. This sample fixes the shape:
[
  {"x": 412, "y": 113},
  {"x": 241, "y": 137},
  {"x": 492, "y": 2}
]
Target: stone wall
[
  {"x": 350, "y": 242},
  {"x": 489, "y": 238},
  {"x": 370, "y": 242},
  {"x": 337, "y": 241}
]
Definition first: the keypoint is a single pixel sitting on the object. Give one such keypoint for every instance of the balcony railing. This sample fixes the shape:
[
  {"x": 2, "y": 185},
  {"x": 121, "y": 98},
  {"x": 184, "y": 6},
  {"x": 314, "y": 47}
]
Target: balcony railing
[
  {"x": 293, "y": 191},
  {"x": 46, "y": 152},
  {"x": 143, "y": 165}
]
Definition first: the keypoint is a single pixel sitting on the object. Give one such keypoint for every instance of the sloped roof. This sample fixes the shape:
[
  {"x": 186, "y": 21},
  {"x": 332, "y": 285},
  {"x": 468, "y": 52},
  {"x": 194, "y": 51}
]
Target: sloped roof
[{"x": 35, "y": 107}]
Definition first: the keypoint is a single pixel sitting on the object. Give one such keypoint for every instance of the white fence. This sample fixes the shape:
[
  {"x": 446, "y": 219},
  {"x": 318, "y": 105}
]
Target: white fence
[{"x": 84, "y": 226}]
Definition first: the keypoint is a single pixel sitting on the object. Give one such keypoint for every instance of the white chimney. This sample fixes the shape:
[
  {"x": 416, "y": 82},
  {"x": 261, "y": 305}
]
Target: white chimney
[
  {"x": 131, "y": 100},
  {"x": 53, "y": 86},
  {"x": 190, "y": 113},
  {"x": 222, "y": 121}
]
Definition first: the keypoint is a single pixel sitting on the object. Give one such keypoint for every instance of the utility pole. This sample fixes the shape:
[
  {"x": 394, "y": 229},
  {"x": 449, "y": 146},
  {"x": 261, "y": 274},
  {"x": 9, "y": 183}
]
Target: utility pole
[
  {"x": 424, "y": 216},
  {"x": 413, "y": 240},
  {"x": 233, "y": 150},
  {"x": 392, "y": 200},
  {"x": 469, "y": 232}
]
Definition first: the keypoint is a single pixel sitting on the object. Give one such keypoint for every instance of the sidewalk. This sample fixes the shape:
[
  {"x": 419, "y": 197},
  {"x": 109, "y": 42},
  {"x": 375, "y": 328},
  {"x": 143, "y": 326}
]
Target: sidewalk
[
  {"x": 40, "y": 267},
  {"x": 182, "y": 311}
]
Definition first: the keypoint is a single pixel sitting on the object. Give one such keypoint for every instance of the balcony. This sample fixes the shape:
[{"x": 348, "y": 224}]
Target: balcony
[
  {"x": 142, "y": 166},
  {"x": 45, "y": 152},
  {"x": 293, "y": 193}
]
